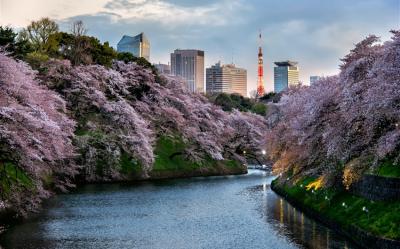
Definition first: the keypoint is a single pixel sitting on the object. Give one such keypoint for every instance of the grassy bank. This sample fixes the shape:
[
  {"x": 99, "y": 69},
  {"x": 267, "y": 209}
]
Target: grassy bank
[
  {"x": 171, "y": 163},
  {"x": 388, "y": 169},
  {"x": 380, "y": 218}
]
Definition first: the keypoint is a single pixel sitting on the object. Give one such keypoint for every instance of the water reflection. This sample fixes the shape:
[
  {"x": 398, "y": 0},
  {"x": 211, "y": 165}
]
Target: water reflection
[{"x": 302, "y": 230}]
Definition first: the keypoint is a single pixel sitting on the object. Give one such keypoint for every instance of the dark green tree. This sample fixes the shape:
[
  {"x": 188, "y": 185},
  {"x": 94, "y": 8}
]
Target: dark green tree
[
  {"x": 225, "y": 101},
  {"x": 259, "y": 108},
  {"x": 7, "y": 36}
]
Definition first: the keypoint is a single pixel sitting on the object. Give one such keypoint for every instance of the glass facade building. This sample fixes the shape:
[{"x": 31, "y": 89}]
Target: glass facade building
[
  {"x": 314, "y": 79},
  {"x": 137, "y": 45},
  {"x": 226, "y": 78},
  {"x": 286, "y": 73},
  {"x": 189, "y": 64}
]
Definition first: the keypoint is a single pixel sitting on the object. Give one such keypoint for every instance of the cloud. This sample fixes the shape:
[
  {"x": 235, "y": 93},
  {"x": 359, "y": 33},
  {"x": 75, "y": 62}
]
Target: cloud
[
  {"x": 172, "y": 14},
  {"x": 19, "y": 13},
  {"x": 166, "y": 13},
  {"x": 315, "y": 33}
]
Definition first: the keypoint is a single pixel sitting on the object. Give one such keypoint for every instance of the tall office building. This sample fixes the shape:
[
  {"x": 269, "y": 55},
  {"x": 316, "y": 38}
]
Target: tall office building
[
  {"x": 314, "y": 79},
  {"x": 189, "y": 64},
  {"x": 226, "y": 78},
  {"x": 163, "y": 68},
  {"x": 286, "y": 73},
  {"x": 137, "y": 45}
]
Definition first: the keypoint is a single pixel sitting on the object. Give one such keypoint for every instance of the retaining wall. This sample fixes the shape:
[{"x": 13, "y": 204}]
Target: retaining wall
[{"x": 377, "y": 188}]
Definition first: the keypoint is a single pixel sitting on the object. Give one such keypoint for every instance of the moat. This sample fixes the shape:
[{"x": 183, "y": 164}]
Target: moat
[{"x": 203, "y": 212}]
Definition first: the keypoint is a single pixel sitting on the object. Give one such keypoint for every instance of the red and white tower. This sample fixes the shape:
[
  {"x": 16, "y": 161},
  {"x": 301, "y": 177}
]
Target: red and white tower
[{"x": 260, "y": 79}]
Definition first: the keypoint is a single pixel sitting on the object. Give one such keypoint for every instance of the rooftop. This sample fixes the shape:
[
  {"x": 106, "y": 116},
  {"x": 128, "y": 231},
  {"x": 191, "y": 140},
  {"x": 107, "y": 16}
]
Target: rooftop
[{"x": 286, "y": 63}]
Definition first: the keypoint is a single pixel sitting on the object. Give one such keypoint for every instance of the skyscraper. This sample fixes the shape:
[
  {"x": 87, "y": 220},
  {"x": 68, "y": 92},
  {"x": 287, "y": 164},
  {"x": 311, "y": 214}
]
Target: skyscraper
[
  {"x": 286, "y": 73},
  {"x": 226, "y": 78},
  {"x": 137, "y": 45},
  {"x": 189, "y": 64}
]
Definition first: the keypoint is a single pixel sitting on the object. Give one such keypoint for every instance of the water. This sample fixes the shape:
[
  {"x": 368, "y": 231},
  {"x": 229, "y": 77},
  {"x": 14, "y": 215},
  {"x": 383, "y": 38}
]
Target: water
[{"x": 215, "y": 212}]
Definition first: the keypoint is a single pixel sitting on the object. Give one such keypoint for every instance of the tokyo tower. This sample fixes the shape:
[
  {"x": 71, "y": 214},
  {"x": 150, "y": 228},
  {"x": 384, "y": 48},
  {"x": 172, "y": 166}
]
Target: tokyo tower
[{"x": 260, "y": 79}]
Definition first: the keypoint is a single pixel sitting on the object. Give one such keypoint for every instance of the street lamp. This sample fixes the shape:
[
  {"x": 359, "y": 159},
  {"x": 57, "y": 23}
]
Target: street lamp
[
  {"x": 366, "y": 211},
  {"x": 329, "y": 200},
  {"x": 263, "y": 152}
]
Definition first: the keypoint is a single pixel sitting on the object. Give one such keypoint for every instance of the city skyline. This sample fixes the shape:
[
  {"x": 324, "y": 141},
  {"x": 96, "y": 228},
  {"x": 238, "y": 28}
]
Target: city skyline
[{"x": 316, "y": 35}]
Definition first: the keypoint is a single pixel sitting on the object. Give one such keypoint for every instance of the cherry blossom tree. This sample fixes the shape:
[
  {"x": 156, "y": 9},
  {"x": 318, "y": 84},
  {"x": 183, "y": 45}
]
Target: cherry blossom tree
[
  {"x": 350, "y": 120},
  {"x": 35, "y": 138}
]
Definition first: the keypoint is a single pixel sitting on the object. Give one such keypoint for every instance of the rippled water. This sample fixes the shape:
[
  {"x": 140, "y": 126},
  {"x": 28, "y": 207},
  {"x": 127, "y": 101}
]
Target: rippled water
[{"x": 213, "y": 212}]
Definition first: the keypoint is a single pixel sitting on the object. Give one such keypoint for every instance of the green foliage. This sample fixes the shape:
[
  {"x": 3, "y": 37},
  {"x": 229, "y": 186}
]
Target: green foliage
[
  {"x": 18, "y": 48},
  {"x": 126, "y": 57},
  {"x": 129, "y": 57},
  {"x": 225, "y": 102},
  {"x": 270, "y": 97},
  {"x": 388, "y": 169},
  {"x": 36, "y": 59},
  {"x": 228, "y": 102},
  {"x": 21, "y": 49},
  {"x": 382, "y": 218},
  {"x": 38, "y": 32},
  {"x": 11, "y": 178},
  {"x": 58, "y": 45},
  {"x": 101, "y": 54},
  {"x": 7, "y": 36},
  {"x": 169, "y": 157},
  {"x": 259, "y": 108},
  {"x": 129, "y": 166}
]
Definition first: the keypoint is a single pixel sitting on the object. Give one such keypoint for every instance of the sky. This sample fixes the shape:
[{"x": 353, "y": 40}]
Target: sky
[{"x": 316, "y": 33}]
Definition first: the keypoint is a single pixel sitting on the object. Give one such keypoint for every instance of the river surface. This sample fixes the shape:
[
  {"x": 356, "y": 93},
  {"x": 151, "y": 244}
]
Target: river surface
[{"x": 214, "y": 212}]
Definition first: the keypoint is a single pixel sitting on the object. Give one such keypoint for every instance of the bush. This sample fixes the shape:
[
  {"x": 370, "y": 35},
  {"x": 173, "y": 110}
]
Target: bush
[
  {"x": 36, "y": 59},
  {"x": 259, "y": 108}
]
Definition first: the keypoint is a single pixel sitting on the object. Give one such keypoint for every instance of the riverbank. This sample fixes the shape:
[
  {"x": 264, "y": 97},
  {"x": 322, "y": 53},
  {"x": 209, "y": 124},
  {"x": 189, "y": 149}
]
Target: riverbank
[{"x": 370, "y": 224}]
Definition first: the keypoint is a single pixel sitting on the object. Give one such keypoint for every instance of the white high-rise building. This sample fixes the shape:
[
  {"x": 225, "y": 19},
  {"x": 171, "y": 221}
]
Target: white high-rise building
[
  {"x": 189, "y": 64},
  {"x": 226, "y": 78}
]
